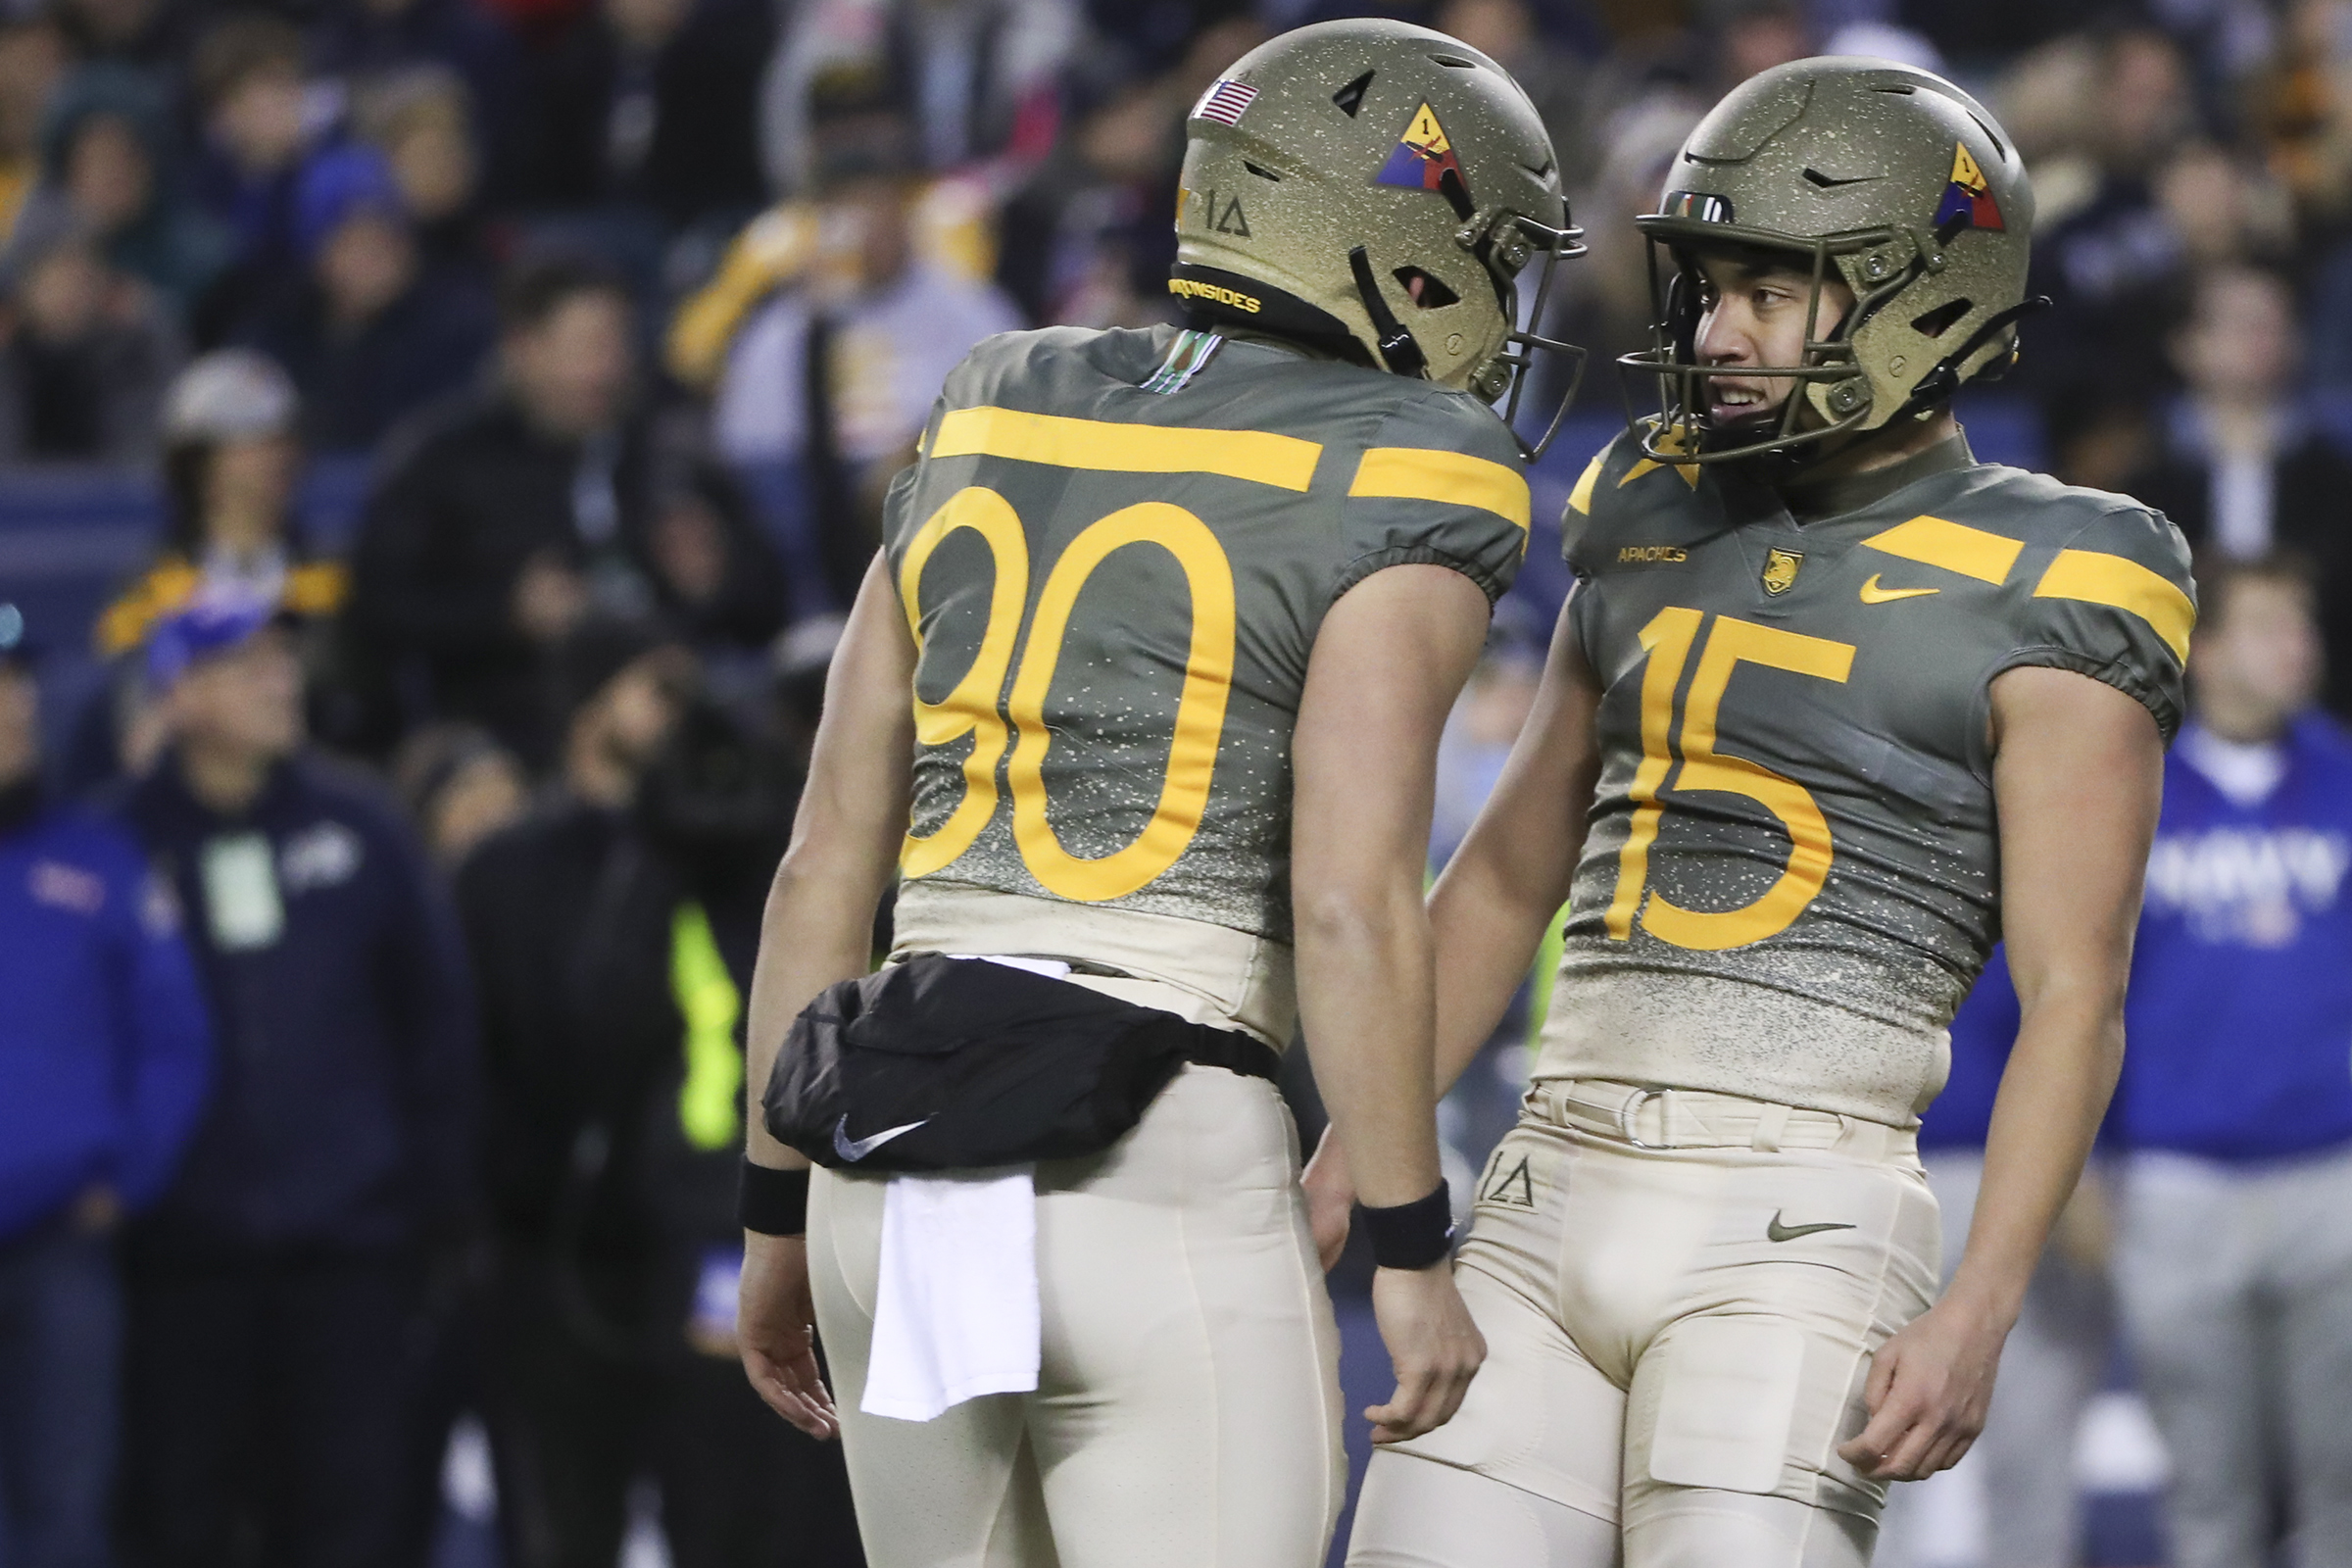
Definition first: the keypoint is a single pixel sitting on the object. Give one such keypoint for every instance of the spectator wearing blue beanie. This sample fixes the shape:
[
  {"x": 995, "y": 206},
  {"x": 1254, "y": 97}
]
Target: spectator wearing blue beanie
[
  {"x": 368, "y": 333},
  {"x": 275, "y": 1327},
  {"x": 104, "y": 1051}
]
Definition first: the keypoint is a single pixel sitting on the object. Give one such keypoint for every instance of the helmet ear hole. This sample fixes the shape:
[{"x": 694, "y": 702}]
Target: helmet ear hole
[
  {"x": 1449, "y": 184},
  {"x": 1426, "y": 289},
  {"x": 1934, "y": 323}
]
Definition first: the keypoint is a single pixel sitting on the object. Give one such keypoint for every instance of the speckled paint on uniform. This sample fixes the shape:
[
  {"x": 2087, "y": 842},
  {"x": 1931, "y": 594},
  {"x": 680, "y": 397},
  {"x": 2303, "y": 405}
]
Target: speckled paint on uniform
[
  {"x": 1842, "y": 1009},
  {"x": 1110, "y": 708}
]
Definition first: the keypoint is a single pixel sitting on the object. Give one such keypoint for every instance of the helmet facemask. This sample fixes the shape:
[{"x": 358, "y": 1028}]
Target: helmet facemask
[
  {"x": 1829, "y": 378},
  {"x": 1505, "y": 377}
]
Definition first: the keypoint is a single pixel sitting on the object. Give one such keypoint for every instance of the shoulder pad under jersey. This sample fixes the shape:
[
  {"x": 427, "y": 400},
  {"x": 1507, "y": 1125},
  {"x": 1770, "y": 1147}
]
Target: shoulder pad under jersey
[{"x": 1627, "y": 508}]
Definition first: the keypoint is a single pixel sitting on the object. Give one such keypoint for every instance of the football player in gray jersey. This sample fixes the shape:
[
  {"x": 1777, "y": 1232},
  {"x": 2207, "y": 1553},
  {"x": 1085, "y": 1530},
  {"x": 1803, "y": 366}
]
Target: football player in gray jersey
[
  {"x": 1832, "y": 707},
  {"x": 1146, "y": 687}
]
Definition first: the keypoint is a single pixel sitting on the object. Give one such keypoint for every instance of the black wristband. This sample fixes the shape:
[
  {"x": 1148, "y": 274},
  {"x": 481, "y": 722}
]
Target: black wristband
[
  {"x": 1412, "y": 1235},
  {"x": 772, "y": 1202}
]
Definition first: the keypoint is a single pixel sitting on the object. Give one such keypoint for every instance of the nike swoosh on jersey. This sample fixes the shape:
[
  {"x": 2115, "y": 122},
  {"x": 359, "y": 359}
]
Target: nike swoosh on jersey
[
  {"x": 854, "y": 1150},
  {"x": 1778, "y": 1231},
  {"x": 1873, "y": 594}
]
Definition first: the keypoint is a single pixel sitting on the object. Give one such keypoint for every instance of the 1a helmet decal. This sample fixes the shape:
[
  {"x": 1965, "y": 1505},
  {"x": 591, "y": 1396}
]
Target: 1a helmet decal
[
  {"x": 1967, "y": 197},
  {"x": 1423, "y": 157},
  {"x": 1224, "y": 102}
]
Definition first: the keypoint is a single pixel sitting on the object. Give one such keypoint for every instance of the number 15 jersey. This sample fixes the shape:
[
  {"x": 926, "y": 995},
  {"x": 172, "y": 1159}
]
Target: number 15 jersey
[
  {"x": 1114, "y": 555},
  {"x": 1792, "y": 878}
]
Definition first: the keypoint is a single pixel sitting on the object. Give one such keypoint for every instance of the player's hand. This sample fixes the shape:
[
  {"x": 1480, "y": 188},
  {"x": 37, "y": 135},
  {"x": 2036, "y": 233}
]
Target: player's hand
[
  {"x": 1434, "y": 1345},
  {"x": 1929, "y": 1386},
  {"x": 776, "y": 1324},
  {"x": 1329, "y": 1199}
]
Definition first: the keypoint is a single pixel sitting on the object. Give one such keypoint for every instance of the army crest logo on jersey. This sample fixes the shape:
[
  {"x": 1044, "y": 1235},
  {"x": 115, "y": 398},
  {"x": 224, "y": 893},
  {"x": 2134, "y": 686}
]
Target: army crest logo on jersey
[
  {"x": 1779, "y": 569},
  {"x": 1967, "y": 197},
  {"x": 1423, "y": 158}
]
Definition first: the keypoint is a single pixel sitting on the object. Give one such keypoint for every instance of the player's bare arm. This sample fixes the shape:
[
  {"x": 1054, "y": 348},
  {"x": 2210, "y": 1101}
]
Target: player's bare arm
[
  {"x": 1389, "y": 662},
  {"x": 1510, "y": 877},
  {"x": 1493, "y": 899},
  {"x": 818, "y": 930},
  {"x": 2078, "y": 775}
]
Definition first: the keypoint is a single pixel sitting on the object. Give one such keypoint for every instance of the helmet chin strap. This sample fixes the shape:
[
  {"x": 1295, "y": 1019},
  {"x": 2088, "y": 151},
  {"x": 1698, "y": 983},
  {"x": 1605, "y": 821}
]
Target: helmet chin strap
[{"x": 1398, "y": 350}]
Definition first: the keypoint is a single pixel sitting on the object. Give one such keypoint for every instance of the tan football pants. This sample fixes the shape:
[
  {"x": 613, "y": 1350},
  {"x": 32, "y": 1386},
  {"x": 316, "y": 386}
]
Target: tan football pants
[
  {"x": 1680, "y": 1295},
  {"x": 1187, "y": 1413}
]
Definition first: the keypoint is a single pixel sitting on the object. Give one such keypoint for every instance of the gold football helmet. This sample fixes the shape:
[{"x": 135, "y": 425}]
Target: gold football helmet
[
  {"x": 1883, "y": 176},
  {"x": 1375, "y": 190}
]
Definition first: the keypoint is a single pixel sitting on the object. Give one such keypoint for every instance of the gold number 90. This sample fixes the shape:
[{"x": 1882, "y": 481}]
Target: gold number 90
[{"x": 971, "y": 708}]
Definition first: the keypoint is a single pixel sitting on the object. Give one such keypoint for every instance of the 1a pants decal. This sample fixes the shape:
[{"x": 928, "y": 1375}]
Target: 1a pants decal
[{"x": 1508, "y": 1181}]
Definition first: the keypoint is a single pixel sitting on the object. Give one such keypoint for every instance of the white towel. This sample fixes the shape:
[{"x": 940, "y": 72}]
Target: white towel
[{"x": 956, "y": 1311}]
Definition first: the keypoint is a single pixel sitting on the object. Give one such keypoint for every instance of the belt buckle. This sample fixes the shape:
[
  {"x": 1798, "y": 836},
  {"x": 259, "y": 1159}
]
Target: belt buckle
[{"x": 1631, "y": 1109}]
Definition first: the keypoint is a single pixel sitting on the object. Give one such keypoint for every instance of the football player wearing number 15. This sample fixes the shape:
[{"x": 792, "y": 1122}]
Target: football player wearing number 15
[
  {"x": 1830, "y": 706},
  {"x": 1148, "y": 681}
]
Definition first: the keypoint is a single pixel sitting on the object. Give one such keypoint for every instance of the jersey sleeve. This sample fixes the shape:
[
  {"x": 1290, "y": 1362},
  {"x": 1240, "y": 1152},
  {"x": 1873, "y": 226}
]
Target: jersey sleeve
[
  {"x": 897, "y": 507},
  {"x": 1441, "y": 483},
  {"x": 2117, "y": 603}
]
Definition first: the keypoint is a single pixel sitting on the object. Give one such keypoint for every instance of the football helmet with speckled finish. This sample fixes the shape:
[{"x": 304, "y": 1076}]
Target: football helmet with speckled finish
[
  {"x": 1374, "y": 189},
  {"x": 1885, "y": 177}
]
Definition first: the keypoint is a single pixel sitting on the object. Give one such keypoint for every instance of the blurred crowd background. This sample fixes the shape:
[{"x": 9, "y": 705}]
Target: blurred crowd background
[{"x": 537, "y": 366}]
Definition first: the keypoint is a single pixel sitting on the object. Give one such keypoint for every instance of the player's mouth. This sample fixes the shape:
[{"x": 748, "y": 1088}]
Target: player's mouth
[{"x": 1738, "y": 402}]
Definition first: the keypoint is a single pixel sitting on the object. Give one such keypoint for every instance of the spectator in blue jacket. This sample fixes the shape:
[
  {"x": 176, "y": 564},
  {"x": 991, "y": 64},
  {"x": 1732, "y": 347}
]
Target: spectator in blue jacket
[
  {"x": 2233, "y": 1246},
  {"x": 274, "y": 1293},
  {"x": 104, "y": 1045}
]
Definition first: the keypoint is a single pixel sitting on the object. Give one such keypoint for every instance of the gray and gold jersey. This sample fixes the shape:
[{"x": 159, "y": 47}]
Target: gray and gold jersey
[
  {"x": 1790, "y": 879},
  {"x": 1114, "y": 554}
]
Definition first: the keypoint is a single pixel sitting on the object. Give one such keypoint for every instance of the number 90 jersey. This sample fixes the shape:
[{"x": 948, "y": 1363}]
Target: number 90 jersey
[
  {"x": 1115, "y": 587},
  {"x": 1790, "y": 879}
]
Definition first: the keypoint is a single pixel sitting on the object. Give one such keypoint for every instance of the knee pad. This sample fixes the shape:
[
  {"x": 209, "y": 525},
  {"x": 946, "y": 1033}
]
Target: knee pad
[{"x": 1418, "y": 1513}]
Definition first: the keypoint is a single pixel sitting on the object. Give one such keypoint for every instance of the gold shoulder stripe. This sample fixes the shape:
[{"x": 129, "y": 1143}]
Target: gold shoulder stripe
[
  {"x": 1934, "y": 542},
  {"x": 1454, "y": 478},
  {"x": 1672, "y": 443},
  {"x": 1580, "y": 499},
  {"x": 1259, "y": 456},
  {"x": 2098, "y": 578}
]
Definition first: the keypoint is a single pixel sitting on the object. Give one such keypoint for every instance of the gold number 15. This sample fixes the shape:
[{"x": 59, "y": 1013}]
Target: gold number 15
[
  {"x": 971, "y": 708},
  {"x": 1669, "y": 638}
]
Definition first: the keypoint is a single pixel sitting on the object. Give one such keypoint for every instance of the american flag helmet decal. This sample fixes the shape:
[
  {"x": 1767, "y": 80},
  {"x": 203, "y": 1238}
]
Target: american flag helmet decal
[{"x": 1224, "y": 102}]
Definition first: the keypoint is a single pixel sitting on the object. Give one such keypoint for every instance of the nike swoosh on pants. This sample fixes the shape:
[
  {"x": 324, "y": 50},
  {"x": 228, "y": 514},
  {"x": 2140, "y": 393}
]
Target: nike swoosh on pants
[{"x": 1778, "y": 1231}]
